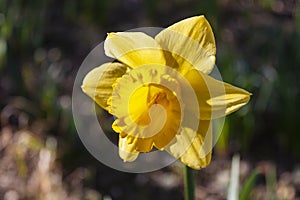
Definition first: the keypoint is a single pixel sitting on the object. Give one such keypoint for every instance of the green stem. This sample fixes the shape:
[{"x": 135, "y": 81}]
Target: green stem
[{"x": 189, "y": 184}]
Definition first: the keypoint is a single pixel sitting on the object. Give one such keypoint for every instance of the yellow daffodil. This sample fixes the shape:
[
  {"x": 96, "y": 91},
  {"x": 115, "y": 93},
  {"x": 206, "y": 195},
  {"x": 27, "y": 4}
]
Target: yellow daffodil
[{"x": 148, "y": 91}]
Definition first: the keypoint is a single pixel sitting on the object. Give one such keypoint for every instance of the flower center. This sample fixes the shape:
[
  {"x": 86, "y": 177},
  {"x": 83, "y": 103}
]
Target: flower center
[
  {"x": 147, "y": 105},
  {"x": 147, "y": 100}
]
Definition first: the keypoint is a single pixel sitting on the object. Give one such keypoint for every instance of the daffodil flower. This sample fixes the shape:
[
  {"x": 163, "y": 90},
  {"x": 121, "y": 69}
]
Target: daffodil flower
[{"x": 150, "y": 90}]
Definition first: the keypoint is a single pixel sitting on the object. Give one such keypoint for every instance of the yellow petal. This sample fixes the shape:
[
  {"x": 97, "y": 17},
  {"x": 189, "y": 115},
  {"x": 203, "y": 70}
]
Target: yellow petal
[
  {"x": 193, "y": 148},
  {"x": 127, "y": 151},
  {"x": 97, "y": 84},
  {"x": 216, "y": 98},
  {"x": 189, "y": 42},
  {"x": 133, "y": 49}
]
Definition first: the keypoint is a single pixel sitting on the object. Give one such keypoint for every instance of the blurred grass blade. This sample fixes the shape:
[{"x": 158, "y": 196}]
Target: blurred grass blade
[
  {"x": 222, "y": 129},
  {"x": 271, "y": 182},
  {"x": 233, "y": 190},
  {"x": 248, "y": 185}
]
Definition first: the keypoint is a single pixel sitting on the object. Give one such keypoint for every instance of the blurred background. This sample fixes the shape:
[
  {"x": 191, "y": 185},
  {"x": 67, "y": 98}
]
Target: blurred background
[{"x": 42, "y": 45}]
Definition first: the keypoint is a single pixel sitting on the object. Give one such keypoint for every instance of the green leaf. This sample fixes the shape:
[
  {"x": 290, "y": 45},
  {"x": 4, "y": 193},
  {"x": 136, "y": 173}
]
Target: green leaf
[{"x": 248, "y": 185}]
